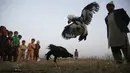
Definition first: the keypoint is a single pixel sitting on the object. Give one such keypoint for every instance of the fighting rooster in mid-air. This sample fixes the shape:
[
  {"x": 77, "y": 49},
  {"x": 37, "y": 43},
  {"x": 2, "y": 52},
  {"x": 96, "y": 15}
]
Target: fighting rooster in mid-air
[{"x": 77, "y": 25}]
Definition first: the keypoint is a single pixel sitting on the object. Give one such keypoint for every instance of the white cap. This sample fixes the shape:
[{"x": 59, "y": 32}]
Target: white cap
[{"x": 111, "y": 2}]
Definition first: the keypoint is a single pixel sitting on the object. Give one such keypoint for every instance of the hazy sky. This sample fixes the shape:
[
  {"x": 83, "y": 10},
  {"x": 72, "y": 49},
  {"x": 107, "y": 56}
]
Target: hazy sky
[{"x": 44, "y": 20}]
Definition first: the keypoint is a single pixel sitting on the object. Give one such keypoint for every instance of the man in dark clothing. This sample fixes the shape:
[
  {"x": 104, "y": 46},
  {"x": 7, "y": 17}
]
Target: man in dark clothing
[
  {"x": 76, "y": 54},
  {"x": 117, "y": 22}
]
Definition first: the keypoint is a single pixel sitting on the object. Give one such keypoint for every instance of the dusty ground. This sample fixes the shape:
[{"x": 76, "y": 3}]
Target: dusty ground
[{"x": 64, "y": 66}]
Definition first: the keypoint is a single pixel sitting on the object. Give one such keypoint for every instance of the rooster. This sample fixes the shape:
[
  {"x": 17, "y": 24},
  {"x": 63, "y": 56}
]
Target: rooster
[
  {"x": 77, "y": 25},
  {"x": 57, "y": 51}
]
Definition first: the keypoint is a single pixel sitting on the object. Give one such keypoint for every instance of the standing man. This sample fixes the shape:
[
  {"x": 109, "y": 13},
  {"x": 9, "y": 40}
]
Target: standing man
[
  {"x": 117, "y": 22},
  {"x": 76, "y": 54}
]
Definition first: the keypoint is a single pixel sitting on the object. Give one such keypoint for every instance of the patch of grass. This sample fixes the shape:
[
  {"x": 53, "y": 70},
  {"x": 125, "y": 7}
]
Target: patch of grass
[{"x": 65, "y": 66}]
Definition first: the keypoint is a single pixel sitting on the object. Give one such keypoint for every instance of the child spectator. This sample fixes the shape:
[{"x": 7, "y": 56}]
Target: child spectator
[
  {"x": 23, "y": 48},
  {"x": 30, "y": 52},
  {"x": 36, "y": 51},
  {"x": 9, "y": 45},
  {"x": 16, "y": 44}
]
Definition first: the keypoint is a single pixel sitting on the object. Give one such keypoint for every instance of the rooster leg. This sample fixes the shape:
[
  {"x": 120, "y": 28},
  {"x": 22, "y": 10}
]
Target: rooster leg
[{"x": 55, "y": 61}]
